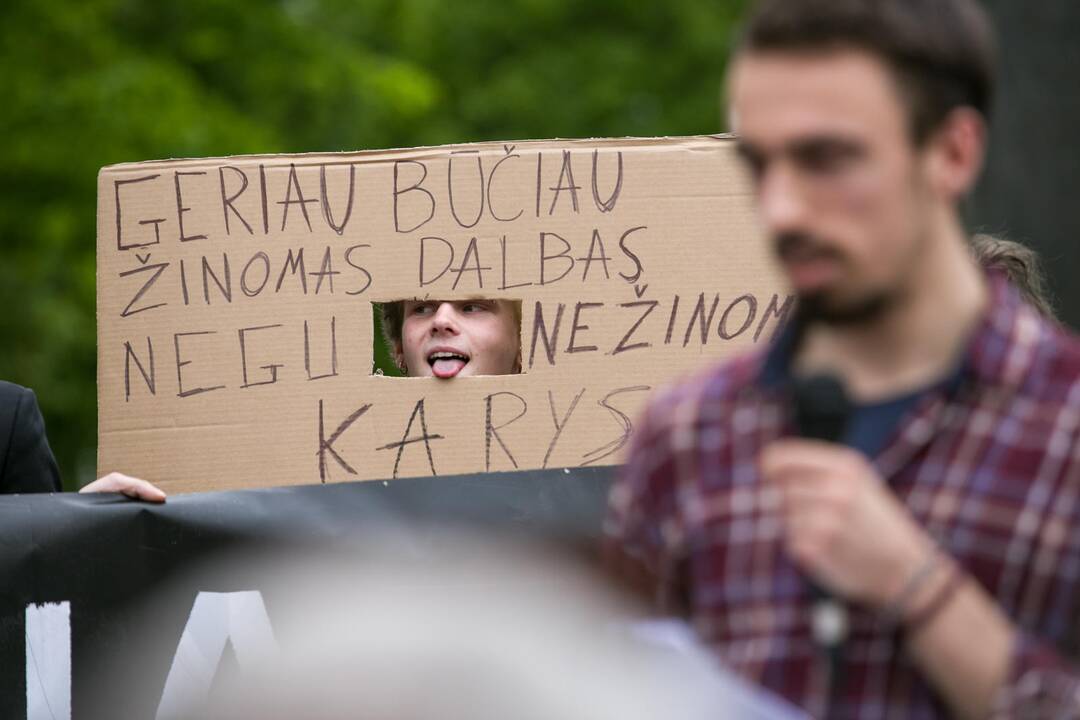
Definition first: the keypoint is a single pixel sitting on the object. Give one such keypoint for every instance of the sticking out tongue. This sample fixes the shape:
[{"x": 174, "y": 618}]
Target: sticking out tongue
[{"x": 447, "y": 367}]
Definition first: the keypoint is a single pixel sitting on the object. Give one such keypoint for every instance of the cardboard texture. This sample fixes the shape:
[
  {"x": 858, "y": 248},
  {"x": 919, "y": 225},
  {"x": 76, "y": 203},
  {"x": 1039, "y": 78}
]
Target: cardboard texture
[{"x": 234, "y": 304}]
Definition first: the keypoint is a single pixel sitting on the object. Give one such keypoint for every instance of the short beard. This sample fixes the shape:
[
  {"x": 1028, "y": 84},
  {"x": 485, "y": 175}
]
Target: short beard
[
  {"x": 819, "y": 307},
  {"x": 816, "y": 308}
]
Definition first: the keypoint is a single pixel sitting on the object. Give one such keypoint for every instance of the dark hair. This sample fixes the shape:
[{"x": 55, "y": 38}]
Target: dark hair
[
  {"x": 941, "y": 52},
  {"x": 1021, "y": 266}
]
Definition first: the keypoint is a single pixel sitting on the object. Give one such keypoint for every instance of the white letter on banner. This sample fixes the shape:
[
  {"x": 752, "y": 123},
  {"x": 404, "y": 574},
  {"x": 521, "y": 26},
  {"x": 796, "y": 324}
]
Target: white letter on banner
[
  {"x": 48, "y": 661},
  {"x": 239, "y": 617}
]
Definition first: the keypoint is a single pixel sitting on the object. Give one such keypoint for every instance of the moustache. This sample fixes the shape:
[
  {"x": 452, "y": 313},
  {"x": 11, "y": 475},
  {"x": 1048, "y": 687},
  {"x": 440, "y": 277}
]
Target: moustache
[{"x": 802, "y": 246}]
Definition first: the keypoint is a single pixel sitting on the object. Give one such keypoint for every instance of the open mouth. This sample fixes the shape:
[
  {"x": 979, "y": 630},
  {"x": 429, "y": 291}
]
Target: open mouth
[{"x": 447, "y": 364}]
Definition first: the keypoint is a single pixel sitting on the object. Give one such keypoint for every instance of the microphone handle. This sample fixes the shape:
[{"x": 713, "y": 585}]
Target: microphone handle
[{"x": 822, "y": 412}]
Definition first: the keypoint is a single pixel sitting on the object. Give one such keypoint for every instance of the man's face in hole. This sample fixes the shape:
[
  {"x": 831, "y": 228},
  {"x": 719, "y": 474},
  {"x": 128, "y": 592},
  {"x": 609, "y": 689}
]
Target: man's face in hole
[
  {"x": 841, "y": 187},
  {"x": 458, "y": 338}
]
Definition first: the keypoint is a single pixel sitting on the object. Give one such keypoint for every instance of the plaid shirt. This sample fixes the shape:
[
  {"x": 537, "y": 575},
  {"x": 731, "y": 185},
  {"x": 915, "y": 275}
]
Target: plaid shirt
[{"x": 989, "y": 465}]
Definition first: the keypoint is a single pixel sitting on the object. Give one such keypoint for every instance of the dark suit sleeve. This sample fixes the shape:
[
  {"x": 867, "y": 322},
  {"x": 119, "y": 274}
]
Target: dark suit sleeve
[{"x": 27, "y": 464}]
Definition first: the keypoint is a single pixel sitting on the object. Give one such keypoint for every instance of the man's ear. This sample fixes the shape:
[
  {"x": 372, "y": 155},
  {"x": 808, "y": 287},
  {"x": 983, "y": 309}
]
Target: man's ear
[
  {"x": 956, "y": 152},
  {"x": 399, "y": 356}
]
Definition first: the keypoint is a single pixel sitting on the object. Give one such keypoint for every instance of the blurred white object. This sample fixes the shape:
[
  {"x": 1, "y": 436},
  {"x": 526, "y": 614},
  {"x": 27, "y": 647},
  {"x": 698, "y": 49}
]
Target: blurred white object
[
  {"x": 687, "y": 656},
  {"x": 483, "y": 631}
]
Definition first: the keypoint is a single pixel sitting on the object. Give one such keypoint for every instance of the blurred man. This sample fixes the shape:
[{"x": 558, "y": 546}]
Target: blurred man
[
  {"x": 454, "y": 338},
  {"x": 27, "y": 464},
  {"x": 945, "y": 523}
]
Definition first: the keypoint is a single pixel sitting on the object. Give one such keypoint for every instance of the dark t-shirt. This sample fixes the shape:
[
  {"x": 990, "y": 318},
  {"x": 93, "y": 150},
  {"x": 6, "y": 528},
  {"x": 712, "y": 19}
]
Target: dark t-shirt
[{"x": 870, "y": 426}]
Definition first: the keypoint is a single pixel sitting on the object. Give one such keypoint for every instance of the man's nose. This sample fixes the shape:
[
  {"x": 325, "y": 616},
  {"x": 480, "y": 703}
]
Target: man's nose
[
  {"x": 782, "y": 200},
  {"x": 445, "y": 319}
]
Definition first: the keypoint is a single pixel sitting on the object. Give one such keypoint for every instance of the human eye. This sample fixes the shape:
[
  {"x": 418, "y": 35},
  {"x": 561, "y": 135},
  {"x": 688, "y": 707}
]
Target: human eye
[
  {"x": 423, "y": 308},
  {"x": 752, "y": 159},
  {"x": 826, "y": 157},
  {"x": 475, "y": 306}
]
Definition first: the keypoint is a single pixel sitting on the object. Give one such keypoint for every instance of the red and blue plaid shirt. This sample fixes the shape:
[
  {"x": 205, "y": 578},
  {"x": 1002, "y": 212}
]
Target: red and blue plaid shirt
[{"x": 989, "y": 465}]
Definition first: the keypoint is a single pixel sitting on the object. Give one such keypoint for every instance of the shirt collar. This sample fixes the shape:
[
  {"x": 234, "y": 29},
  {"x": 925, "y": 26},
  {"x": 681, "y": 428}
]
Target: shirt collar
[
  {"x": 1000, "y": 351},
  {"x": 776, "y": 368},
  {"x": 1002, "y": 348}
]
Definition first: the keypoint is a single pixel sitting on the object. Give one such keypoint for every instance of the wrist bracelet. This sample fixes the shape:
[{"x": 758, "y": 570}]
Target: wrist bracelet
[
  {"x": 897, "y": 609},
  {"x": 936, "y": 604}
]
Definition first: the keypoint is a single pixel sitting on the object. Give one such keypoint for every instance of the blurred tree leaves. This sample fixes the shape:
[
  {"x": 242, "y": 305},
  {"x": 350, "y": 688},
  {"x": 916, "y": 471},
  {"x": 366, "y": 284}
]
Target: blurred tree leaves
[{"x": 92, "y": 82}]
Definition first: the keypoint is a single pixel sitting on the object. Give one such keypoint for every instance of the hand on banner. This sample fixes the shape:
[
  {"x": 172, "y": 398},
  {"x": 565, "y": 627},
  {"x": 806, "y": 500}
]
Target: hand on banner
[
  {"x": 842, "y": 524},
  {"x": 127, "y": 485}
]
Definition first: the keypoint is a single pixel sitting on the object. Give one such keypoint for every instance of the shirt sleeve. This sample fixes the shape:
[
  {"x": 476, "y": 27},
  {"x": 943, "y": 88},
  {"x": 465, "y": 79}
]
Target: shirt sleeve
[
  {"x": 643, "y": 530},
  {"x": 1044, "y": 677},
  {"x": 30, "y": 466},
  {"x": 1041, "y": 683}
]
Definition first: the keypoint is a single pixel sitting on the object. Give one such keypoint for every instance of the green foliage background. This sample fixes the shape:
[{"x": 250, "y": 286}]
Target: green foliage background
[{"x": 87, "y": 83}]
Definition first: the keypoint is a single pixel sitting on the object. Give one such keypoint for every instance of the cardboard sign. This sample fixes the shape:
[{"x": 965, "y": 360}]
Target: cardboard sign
[{"x": 235, "y": 333}]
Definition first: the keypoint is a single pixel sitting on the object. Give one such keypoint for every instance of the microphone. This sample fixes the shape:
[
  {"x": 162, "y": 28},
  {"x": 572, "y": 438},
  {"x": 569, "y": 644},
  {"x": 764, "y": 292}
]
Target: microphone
[
  {"x": 822, "y": 408},
  {"x": 822, "y": 412}
]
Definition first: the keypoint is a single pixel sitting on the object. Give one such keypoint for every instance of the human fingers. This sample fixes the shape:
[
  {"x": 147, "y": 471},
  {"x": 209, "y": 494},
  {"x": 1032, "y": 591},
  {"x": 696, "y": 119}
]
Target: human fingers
[
  {"x": 799, "y": 453},
  {"x": 132, "y": 487}
]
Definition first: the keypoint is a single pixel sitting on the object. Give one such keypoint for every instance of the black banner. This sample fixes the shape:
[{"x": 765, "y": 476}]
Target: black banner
[{"x": 77, "y": 570}]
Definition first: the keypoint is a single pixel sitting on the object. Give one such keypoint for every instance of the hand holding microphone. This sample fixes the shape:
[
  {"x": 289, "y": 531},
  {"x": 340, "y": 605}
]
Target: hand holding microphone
[{"x": 842, "y": 525}]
